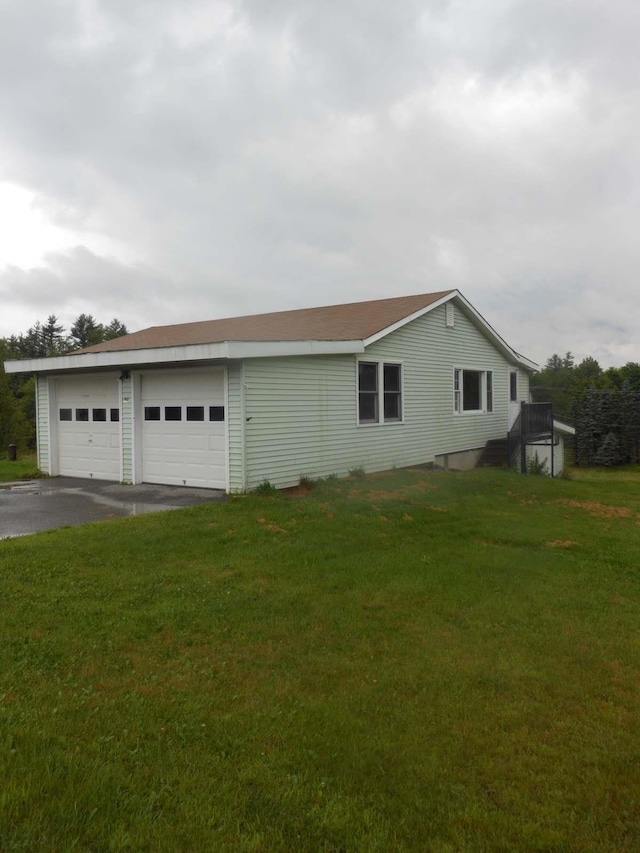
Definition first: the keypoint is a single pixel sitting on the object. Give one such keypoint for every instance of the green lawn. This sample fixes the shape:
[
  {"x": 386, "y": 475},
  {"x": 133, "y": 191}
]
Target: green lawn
[
  {"x": 414, "y": 661},
  {"x": 22, "y": 469}
]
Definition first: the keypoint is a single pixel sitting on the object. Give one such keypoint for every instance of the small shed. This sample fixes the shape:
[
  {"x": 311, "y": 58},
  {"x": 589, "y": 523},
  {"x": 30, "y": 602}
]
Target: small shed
[{"x": 549, "y": 453}]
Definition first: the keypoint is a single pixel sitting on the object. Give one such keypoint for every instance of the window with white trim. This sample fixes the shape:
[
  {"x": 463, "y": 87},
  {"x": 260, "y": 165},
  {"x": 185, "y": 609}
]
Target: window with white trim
[
  {"x": 472, "y": 390},
  {"x": 513, "y": 386},
  {"x": 379, "y": 392}
]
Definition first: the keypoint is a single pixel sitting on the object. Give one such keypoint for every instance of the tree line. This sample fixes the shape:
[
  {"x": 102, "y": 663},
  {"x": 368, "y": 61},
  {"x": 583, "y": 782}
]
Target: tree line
[
  {"x": 602, "y": 405},
  {"x": 17, "y": 391}
]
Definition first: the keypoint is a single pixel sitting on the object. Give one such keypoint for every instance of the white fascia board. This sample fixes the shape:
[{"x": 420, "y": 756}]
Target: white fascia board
[
  {"x": 558, "y": 426},
  {"x": 179, "y": 354},
  {"x": 400, "y": 323},
  {"x": 269, "y": 349}
]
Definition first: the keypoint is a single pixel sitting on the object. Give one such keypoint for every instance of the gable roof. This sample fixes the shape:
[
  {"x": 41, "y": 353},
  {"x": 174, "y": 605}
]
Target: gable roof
[
  {"x": 349, "y": 322},
  {"x": 332, "y": 329}
]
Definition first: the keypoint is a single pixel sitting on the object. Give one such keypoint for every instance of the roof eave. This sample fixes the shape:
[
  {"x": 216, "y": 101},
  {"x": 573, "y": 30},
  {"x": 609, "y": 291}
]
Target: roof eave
[{"x": 180, "y": 354}]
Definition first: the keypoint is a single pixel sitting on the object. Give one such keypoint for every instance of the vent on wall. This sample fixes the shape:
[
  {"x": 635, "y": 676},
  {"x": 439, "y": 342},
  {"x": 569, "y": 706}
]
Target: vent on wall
[{"x": 450, "y": 315}]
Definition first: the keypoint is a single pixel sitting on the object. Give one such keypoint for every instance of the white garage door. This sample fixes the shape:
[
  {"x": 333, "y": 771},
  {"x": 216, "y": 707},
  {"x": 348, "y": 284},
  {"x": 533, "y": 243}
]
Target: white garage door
[
  {"x": 184, "y": 428},
  {"x": 88, "y": 426}
]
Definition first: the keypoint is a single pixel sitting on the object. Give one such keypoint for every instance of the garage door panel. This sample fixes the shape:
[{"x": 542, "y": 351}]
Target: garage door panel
[
  {"x": 217, "y": 443},
  {"x": 88, "y": 447},
  {"x": 183, "y": 452},
  {"x": 100, "y": 441}
]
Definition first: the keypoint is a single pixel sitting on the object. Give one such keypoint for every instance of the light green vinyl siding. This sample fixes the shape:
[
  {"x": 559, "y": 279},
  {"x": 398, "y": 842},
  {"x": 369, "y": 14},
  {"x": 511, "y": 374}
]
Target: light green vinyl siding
[
  {"x": 523, "y": 385},
  {"x": 235, "y": 426},
  {"x": 302, "y": 412},
  {"x": 126, "y": 428},
  {"x": 42, "y": 424}
]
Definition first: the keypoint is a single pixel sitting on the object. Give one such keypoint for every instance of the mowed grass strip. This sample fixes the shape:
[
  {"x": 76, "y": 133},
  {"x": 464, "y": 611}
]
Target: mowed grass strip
[
  {"x": 22, "y": 468},
  {"x": 413, "y": 661}
]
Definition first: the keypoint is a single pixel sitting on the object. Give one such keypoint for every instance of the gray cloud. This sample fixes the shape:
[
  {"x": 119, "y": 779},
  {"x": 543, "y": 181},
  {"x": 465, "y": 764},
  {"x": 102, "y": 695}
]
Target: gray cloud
[{"x": 247, "y": 156}]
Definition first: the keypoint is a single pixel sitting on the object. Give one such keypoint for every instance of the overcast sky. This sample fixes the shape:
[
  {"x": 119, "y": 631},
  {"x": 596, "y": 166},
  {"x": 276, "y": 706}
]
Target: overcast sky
[{"x": 164, "y": 161}]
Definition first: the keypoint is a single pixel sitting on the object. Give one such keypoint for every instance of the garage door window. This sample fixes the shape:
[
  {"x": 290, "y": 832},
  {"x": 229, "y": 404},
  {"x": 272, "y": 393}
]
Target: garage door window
[
  {"x": 173, "y": 413},
  {"x": 82, "y": 414},
  {"x": 216, "y": 413},
  {"x": 195, "y": 413},
  {"x": 66, "y": 414},
  {"x": 152, "y": 413},
  {"x": 99, "y": 414},
  {"x": 114, "y": 415}
]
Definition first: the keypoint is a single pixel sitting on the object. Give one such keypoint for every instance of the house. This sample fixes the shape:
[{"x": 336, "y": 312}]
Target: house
[{"x": 231, "y": 403}]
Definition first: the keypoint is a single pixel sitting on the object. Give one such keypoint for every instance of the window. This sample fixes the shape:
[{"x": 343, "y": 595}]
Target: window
[
  {"x": 66, "y": 414},
  {"x": 216, "y": 413},
  {"x": 513, "y": 386},
  {"x": 173, "y": 413},
  {"x": 195, "y": 413},
  {"x": 374, "y": 376},
  {"x": 82, "y": 414},
  {"x": 99, "y": 414},
  {"x": 392, "y": 392},
  {"x": 367, "y": 392},
  {"x": 472, "y": 390},
  {"x": 114, "y": 415},
  {"x": 152, "y": 413}
]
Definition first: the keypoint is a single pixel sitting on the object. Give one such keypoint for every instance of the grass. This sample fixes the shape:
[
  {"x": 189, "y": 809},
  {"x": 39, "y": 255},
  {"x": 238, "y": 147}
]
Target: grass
[
  {"x": 413, "y": 661},
  {"x": 22, "y": 469}
]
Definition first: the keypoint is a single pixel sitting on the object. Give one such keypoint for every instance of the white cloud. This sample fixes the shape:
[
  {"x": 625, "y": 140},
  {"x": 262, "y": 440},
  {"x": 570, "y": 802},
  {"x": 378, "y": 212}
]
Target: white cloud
[{"x": 228, "y": 156}]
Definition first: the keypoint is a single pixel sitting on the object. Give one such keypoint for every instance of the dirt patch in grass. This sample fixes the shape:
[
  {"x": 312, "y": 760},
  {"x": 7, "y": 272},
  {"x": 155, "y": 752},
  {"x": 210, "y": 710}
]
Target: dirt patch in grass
[
  {"x": 392, "y": 494},
  {"x": 561, "y": 543},
  {"x": 297, "y": 491},
  {"x": 599, "y": 510},
  {"x": 272, "y": 528}
]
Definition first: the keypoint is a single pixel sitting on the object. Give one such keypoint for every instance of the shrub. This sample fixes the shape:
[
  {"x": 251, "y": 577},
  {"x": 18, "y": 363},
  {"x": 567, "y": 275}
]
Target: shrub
[{"x": 535, "y": 466}]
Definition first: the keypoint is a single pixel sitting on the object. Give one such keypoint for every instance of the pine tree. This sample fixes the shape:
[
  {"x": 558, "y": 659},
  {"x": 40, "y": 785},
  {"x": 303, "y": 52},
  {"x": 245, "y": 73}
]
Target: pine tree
[{"x": 609, "y": 451}]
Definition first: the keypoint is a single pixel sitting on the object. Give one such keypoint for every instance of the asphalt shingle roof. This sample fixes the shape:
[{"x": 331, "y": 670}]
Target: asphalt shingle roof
[{"x": 353, "y": 321}]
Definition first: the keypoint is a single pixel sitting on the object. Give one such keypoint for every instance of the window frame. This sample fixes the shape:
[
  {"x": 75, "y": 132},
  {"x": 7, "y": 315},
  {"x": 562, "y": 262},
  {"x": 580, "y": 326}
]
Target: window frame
[
  {"x": 513, "y": 386},
  {"x": 487, "y": 390},
  {"x": 380, "y": 392}
]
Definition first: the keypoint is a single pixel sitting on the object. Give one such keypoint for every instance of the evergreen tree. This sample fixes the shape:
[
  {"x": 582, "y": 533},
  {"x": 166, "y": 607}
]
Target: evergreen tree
[
  {"x": 609, "y": 451},
  {"x": 52, "y": 336},
  {"x": 14, "y": 428},
  {"x": 115, "y": 329},
  {"x": 85, "y": 332}
]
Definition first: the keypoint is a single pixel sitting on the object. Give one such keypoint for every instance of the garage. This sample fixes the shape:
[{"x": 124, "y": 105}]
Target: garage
[
  {"x": 183, "y": 432},
  {"x": 87, "y": 423}
]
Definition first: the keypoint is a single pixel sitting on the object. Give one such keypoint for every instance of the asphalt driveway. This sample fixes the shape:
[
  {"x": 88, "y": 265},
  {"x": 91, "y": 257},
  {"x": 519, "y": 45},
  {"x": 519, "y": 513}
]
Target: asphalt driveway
[{"x": 33, "y": 505}]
